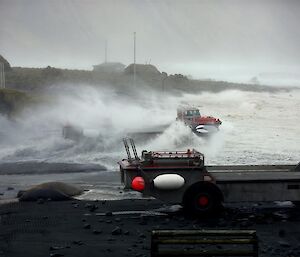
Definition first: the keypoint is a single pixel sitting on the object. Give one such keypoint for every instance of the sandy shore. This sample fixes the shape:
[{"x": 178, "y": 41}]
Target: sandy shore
[{"x": 123, "y": 227}]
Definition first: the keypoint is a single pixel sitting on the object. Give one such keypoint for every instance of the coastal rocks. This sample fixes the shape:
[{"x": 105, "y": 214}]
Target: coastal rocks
[
  {"x": 36, "y": 194},
  {"x": 116, "y": 231},
  {"x": 284, "y": 243},
  {"x": 86, "y": 226},
  {"x": 55, "y": 191}
]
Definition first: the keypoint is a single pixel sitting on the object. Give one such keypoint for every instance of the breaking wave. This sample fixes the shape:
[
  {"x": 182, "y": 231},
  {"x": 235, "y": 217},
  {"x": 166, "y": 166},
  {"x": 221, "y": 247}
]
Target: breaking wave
[{"x": 258, "y": 127}]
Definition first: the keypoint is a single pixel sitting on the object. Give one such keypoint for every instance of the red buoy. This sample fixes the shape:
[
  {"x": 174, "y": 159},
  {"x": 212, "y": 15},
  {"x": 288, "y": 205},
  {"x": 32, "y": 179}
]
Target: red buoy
[{"x": 138, "y": 184}]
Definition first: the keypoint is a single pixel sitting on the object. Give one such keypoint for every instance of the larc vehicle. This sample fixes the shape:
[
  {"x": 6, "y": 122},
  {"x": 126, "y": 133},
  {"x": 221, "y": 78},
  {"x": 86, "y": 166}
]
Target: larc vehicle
[
  {"x": 199, "y": 124},
  {"x": 180, "y": 177}
]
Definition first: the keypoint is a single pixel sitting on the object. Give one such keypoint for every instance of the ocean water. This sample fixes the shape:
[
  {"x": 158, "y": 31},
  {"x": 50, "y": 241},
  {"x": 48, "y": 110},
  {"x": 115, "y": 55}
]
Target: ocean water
[{"x": 257, "y": 128}]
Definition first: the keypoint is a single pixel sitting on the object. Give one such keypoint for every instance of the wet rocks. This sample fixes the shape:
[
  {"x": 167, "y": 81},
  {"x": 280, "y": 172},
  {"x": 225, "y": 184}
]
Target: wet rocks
[
  {"x": 116, "y": 231},
  {"x": 56, "y": 254},
  {"x": 281, "y": 232},
  {"x": 86, "y": 226},
  {"x": 40, "y": 201},
  {"x": 284, "y": 243},
  {"x": 91, "y": 207},
  {"x": 54, "y": 248},
  {"x": 77, "y": 242}
]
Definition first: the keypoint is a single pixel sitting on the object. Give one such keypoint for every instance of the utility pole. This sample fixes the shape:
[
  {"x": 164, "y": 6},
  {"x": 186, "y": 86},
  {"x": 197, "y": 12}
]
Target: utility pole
[
  {"x": 105, "y": 51},
  {"x": 134, "y": 57},
  {"x": 2, "y": 75}
]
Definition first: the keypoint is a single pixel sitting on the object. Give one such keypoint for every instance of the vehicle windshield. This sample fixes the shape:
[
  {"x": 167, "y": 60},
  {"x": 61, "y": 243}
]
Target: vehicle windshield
[{"x": 192, "y": 113}]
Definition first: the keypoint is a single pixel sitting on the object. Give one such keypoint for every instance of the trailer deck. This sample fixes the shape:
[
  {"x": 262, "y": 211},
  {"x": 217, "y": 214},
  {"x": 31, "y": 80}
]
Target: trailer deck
[{"x": 181, "y": 177}]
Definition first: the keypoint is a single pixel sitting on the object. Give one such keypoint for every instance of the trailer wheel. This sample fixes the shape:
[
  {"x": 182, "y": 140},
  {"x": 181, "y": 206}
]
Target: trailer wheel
[
  {"x": 202, "y": 200},
  {"x": 296, "y": 204}
]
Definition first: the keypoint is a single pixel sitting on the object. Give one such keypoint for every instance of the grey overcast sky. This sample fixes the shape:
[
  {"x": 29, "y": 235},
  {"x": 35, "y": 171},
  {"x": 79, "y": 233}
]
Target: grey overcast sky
[{"x": 172, "y": 34}]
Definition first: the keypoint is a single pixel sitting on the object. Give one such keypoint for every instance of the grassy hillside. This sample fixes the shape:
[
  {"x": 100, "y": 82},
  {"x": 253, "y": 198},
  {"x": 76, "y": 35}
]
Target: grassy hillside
[{"x": 12, "y": 101}]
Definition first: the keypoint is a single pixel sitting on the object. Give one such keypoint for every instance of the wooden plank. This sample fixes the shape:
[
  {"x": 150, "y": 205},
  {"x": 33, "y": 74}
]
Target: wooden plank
[
  {"x": 167, "y": 253},
  {"x": 204, "y": 241},
  {"x": 204, "y": 232}
]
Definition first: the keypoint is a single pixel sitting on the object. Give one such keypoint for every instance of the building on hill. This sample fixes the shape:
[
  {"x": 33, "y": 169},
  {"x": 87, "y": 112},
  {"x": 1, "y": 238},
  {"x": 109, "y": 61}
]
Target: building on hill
[
  {"x": 109, "y": 67},
  {"x": 142, "y": 69}
]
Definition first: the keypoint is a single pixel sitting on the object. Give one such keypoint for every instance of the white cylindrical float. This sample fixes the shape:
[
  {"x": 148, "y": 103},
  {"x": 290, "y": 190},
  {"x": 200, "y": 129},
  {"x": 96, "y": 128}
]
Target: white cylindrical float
[{"x": 168, "y": 182}]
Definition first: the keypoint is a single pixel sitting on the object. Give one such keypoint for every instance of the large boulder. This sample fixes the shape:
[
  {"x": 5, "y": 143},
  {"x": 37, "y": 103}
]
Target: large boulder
[{"x": 56, "y": 191}]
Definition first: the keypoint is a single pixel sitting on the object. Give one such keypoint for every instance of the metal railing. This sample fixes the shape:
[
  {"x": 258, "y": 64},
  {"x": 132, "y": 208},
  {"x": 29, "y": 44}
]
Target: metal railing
[{"x": 127, "y": 143}]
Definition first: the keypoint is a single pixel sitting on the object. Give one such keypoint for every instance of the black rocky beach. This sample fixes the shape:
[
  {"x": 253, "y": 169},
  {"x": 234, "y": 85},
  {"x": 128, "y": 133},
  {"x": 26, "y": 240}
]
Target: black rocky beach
[{"x": 123, "y": 227}]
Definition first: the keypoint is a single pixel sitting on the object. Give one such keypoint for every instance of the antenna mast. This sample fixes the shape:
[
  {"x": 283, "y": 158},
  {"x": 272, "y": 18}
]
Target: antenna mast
[
  {"x": 134, "y": 57},
  {"x": 2, "y": 75},
  {"x": 105, "y": 51}
]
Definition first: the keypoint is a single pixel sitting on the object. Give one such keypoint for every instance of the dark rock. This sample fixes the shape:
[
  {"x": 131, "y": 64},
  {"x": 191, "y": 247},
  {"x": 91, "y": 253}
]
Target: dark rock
[
  {"x": 245, "y": 224},
  {"x": 93, "y": 208},
  {"x": 55, "y": 191},
  {"x": 143, "y": 221},
  {"x": 40, "y": 201},
  {"x": 53, "y": 248},
  {"x": 280, "y": 215},
  {"x": 166, "y": 221},
  {"x": 108, "y": 221},
  {"x": 109, "y": 213},
  {"x": 97, "y": 232},
  {"x": 222, "y": 223},
  {"x": 142, "y": 235},
  {"x": 87, "y": 205},
  {"x": 117, "y": 219},
  {"x": 281, "y": 232},
  {"x": 126, "y": 232},
  {"x": 103, "y": 202},
  {"x": 291, "y": 253},
  {"x": 116, "y": 231},
  {"x": 77, "y": 242},
  {"x": 87, "y": 226},
  {"x": 284, "y": 243},
  {"x": 35, "y": 194},
  {"x": 56, "y": 254}
]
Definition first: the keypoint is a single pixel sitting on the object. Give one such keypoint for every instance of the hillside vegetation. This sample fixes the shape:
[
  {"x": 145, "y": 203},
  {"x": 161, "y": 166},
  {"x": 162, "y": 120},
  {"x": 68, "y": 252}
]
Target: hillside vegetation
[
  {"x": 12, "y": 101},
  {"x": 110, "y": 74},
  {"x": 23, "y": 83}
]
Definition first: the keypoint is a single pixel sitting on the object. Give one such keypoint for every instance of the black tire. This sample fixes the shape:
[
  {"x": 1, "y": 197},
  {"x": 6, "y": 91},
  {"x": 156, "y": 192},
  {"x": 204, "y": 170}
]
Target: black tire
[
  {"x": 296, "y": 204},
  {"x": 202, "y": 200}
]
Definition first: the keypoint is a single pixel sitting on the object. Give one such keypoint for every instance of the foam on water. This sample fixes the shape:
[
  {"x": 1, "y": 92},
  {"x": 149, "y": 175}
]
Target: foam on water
[{"x": 258, "y": 127}]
